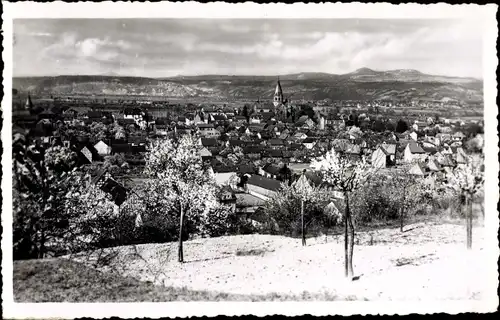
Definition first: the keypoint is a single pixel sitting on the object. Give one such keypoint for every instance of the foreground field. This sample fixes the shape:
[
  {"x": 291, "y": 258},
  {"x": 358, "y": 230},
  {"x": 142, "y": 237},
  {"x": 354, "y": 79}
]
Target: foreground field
[{"x": 427, "y": 262}]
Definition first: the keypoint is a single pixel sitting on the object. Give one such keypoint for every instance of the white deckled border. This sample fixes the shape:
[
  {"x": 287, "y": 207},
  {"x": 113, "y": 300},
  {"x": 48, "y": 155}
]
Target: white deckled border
[{"x": 484, "y": 15}]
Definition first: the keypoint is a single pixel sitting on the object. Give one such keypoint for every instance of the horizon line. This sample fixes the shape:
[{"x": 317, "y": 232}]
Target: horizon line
[{"x": 243, "y": 75}]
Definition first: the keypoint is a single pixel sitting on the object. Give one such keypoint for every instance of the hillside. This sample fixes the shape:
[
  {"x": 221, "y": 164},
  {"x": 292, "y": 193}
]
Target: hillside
[
  {"x": 259, "y": 265},
  {"x": 362, "y": 84},
  {"x": 388, "y": 266}
]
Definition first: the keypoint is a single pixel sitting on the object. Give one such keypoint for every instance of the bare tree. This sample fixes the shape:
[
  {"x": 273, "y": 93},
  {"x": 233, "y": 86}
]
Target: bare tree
[{"x": 408, "y": 191}]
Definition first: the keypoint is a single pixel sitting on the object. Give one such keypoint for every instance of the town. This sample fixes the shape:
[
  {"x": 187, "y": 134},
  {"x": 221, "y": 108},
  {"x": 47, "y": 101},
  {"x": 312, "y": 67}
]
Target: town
[{"x": 251, "y": 149}]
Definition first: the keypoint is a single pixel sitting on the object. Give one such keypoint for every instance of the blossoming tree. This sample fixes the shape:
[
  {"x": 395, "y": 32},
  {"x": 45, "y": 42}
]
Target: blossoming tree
[
  {"x": 467, "y": 180},
  {"x": 41, "y": 177},
  {"x": 344, "y": 175},
  {"x": 177, "y": 166}
]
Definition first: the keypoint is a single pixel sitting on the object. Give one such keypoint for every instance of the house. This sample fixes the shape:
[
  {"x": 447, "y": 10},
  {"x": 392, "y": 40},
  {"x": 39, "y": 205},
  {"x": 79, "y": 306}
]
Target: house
[
  {"x": 125, "y": 122},
  {"x": 137, "y": 141},
  {"x": 135, "y": 114},
  {"x": 266, "y": 116},
  {"x": 298, "y": 168},
  {"x": 246, "y": 169},
  {"x": 117, "y": 191},
  {"x": 103, "y": 148},
  {"x": 161, "y": 126},
  {"x": 225, "y": 175},
  {"x": 433, "y": 140},
  {"x": 199, "y": 117},
  {"x": 384, "y": 156},
  {"x": 429, "y": 150},
  {"x": 85, "y": 151},
  {"x": 444, "y": 160},
  {"x": 253, "y": 152},
  {"x": 262, "y": 187},
  {"x": 445, "y": 129},
  {"x": 217, "y": 118},
  {"x": 270, "y": 171},
  {"x": 235, "y": 143},
  {"x": 334, "y": 120},
  {"x": 414, "y": 136},
  {"x": 47, "y": 114},
  {"x": 121, "y": 148},
  {"x": 276, "y": 143},
  {"x": 300, "y": 136},
  {"x": 72, "y": 111},
  {"x": 418, "y": 169},
  {"x": 208, "y": 142},
  {"x": 419, "y": 125},
  {"x": 208, "y": 130},
  {"x": 247, "y": 203},
  {"x": 270, "y": 154},
  {"x": 353, "y": 149},
  {"x": 238, "y": 120},
  {"x": 309, "y": 143},
  {"x": 301, "y": 121},
  {"x": 205, "y": 153},
  {"x": 433, "y": 165},
  {"x": 227, "y": 197},
  {"x": 256, "y": 127},
  {"x": 183, "y": 120},
  {"x": 458, "y": 136},
  {"x": 255, "y": 118},
  {"x": 308, "y": 124},
  {"x": 413, "y": 152},
  {"x": 137, "y": 149},
  {"x": 430, "y": 142}
]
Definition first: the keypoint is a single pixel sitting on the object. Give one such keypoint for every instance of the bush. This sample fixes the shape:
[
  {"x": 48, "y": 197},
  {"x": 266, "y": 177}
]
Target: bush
[
  {"x": 373, "y": 203},
  {"x": 215, "y": 222},
  {"x": 240, "y": 224},
  {"x": 281, "y": 215}
]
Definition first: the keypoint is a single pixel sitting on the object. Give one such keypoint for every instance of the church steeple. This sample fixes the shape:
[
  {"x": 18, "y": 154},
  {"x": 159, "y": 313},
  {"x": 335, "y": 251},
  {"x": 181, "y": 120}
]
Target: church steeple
[
  {"x": 278, "y": 94},
  {"x": 29, "y": 104}
]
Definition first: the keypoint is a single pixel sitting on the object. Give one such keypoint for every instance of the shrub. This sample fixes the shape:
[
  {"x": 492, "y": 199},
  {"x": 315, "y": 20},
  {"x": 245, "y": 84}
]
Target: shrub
[{"x": 373, "y": 203}]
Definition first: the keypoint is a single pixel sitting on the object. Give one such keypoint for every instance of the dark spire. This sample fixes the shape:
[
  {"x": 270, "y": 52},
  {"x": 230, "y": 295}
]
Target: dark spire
[{"x": 29, "y": 103}]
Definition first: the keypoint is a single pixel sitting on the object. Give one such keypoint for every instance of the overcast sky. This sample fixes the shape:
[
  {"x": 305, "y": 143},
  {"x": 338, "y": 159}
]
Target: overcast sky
[{"x": 168, "y": 47}]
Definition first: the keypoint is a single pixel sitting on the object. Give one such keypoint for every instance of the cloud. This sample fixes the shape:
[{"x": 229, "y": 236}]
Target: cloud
[
  {"x": 40, "y": 34},
  {"x": 246, "y": 46}
]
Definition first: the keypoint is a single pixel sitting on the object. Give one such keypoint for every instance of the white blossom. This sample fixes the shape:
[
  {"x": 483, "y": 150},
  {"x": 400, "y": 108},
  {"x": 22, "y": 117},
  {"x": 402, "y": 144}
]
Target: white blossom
[{"x": 340, "y": 172}]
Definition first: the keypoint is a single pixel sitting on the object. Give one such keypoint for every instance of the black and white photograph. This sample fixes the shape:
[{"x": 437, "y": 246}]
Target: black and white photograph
[{"x": 249, "y": 153}]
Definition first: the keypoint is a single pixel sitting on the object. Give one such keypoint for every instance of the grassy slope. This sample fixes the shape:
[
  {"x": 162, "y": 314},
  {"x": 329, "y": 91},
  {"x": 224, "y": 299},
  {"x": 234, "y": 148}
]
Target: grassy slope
[
  {"x": 227, "y": 263},
  {"x": 58, "y": 280}
]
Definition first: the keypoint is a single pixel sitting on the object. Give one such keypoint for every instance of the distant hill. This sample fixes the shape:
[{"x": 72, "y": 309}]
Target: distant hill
[{"x": 362, "y": 84}]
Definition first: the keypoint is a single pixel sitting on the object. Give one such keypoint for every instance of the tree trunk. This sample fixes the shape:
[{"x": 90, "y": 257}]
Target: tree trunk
[
  {"x": 42, "y": 244},
  {"x": 351, "y": 245},
  {"x": 181, "y": 225},
  {"x": 468, "y": 217},
  {"x": 303, "y": 228},
  {"x": 401, "y": 219},
  {"x": 346, "y": 236}
]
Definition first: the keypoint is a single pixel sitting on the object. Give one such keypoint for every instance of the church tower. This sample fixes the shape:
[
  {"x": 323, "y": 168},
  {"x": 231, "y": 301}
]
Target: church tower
[
  {"x": 278, "y": 95},
  {"x": 29, "y": 104}
]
